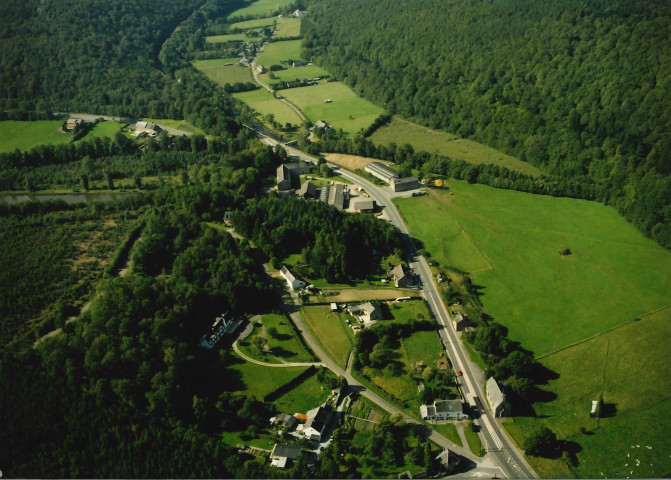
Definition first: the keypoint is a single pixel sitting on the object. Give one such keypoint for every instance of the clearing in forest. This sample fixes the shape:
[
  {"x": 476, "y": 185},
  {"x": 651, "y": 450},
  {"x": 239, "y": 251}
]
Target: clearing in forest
[
  {"x": 225, "y": 71},
  {"x": 264, "y": 103}
]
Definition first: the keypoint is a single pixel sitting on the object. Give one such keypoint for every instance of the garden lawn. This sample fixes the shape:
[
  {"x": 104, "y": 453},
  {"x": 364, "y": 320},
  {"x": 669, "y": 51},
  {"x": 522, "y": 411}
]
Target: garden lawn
[
  {"x": 346, "y": 110},
  {"x": 638, "y": 389},
  {"x": 264, "y": 103},
  {"x": 400, "y": 132},
  {"x": 423, "y": 346},
  {"x": 26, "y": 135},
  {"x": 403, "y": 312},
  {"x": 288, "y": 27},
  {"x": 259, "y": 381},
  {"x": 330, "y": 331},
  {"x": 449, "y": 431},
  {"x": 285, "y": 344},
  {"x": 260, "y": 8},
  {"x": 222, "y": 73},
  {"x": 263, "y": 440},
  {"x": 256, "y": 23},
  {"x": 308, "y": 395},
  {"x": 277, "y": 53},
  {"x": 546, "y": 300}
]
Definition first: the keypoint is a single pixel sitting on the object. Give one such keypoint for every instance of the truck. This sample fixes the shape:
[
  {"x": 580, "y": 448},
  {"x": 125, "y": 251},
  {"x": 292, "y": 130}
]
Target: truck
[{"x": 471, "y": 402}]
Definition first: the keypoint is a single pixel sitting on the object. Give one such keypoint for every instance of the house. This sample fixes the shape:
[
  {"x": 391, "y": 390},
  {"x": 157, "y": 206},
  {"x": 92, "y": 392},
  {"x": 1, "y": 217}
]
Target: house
[
  {"x": 283, "y": 178},
  {"x": 227, "y": 217},
  {"x": 287, "y": 422},
  {"x": 308, "y": 190},
  {"x": 72, "y": 123},
  {"x": 261, "y": 69},
  {"x": 367, "y": 312},
  {"x": 381, "y": 171},
  {"x": 497, "y": 400},
  {"x": 298, "y": 13},
  {"x": 297, "y": 63},
  {"x": 282, "y": 453},
  {"x": 448, "y": 461},
  {"x": 404, "y": 184},
  {"x": 298, "y": 168},
  {"x": 402, "y": 276},
  {"x": 244, "y": 62},
  {"x": 223, "y": 325},
  {"x": 146, "y": 128},
  {"x": 293, "y": 282},
  {"x": 363, "y": 204},
  {"x": 334, "y": 307},
  {"x": 318, "y": 419},
  {"x": 460, "y": 323},
  {"x": 443, "y": 410},
  {"x": 322, "y": 124}
]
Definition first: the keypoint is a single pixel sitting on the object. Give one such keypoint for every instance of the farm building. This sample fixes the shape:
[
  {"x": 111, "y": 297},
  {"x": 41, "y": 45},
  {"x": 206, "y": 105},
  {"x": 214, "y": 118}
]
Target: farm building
[
  {"x": 363, "y": 205},
  {"x": 366, "y": 312},
  {"x": 404, "y": 184},
  {"x": 72, "y": 123},
  {"x": 322, "y": 124},
  {"x": 298, "y": 168},
  {"x": 318, "y": 419},
  {"x": 147, "y": 128},
  {"x": 308, "y": 190},
  {"x": 337, "y": 196},
  {"x": 401, "y": 276},
  {"x": 443, "y": 410},
  {"x": 460, "y": 323},
  {"x": 292, "y": 281},
  {"x": 283, "y": 178},
  {"x": 381, "y": 171},
  {"x": 497, "y": 400},
  {"x": 282, "y": 453}
]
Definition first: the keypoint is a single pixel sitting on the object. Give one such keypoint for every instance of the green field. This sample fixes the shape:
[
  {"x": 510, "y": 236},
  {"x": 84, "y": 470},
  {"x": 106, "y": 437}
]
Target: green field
[
  {"x": 290, "y": 74},
  {"x": 26, "y": 135},
  {"x": 346, "y": 110},
  {"x": 403, "y": 312},
  {"x": 330, "y": 330},
  {"x": 638, "y": 387},
  {"x": 261, "y": 8},
  {"x": 259, "y": 381},
  {"x": 546, "y": 300},
  {"x": 277, "y": 53},
  {"x": 423, "y": 346},
  {"x": 421, "y": 138},
  {"x": 221, "y": 72},
  {"x": 264, "y": 103},
  {"x": 256, "y": 23},
  {"x": 285, "y": 344},
  {"x": 231, "y": 37},
  {"x": 306, "y": 396},
  {"x": 178, "y": 124},
  {"x": 288, "y": 27},
  {"x": 103, "y": 129}
]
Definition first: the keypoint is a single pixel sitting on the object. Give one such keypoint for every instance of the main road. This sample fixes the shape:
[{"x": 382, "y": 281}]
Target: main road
[{"x": 501, "y": 449}]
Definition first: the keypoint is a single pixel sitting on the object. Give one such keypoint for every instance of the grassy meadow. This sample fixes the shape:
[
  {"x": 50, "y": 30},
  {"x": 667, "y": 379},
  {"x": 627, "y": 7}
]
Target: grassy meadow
[
  {"x": 278, "y": 53},
  {"x": 230, "y": 37},
  {"x": 308, "y": 395},
  {"x": 546, "y": 300},
  {"x": 400, "y": 131},
  {"x": 178, "y": 124},
  {"x": 330, "y": 330},
  {"x": 26, "y": 135},
  {"x": 221, "y": 72},
  {"x": 285, "y": 344},
  {"x": 264, "y": 103},
  {"x": 346, "y": 110},
  {"x": 260, "y": 8},
  {"x": 103, "y": 129},
  {"x": 637, "y": 391},
  {"x": 259, "y": 381},
  {"x": 288, "y": 27},
  {"x": 256, "y": 23},
  {"x": 291, "y": 74}
]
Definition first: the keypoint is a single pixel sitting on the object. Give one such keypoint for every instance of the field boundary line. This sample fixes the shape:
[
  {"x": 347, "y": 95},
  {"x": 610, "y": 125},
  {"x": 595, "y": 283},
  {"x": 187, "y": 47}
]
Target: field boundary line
[{"x": 584, "y": 340}]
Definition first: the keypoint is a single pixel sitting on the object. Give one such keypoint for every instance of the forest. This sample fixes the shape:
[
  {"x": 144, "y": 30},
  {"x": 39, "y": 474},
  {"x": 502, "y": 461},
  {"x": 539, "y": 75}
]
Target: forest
[{"x": 578, "y": 89}]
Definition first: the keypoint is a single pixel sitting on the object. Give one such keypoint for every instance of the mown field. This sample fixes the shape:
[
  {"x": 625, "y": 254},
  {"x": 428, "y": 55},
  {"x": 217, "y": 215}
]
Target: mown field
[
  {"x": 400, "y": 131},
  {"x": 256, "y": 23},
  {"x": 26, "y": 135},
  {"x": 285, "y": 344},
  {"x": 631, "y": 365},
  {"x": 260, "y": 8},
  {"x": 264, "y": 103},
  {"x": 308, "y": 395},
  {"x": 546, "y": 300},
  {"x": 288, "y": 27},
  {"x": 178, "y": 124},
  {"x": 221, "y": 72},
  {"x": 231, "y": 37},
  {"x": 330, "y": 331},
  {"x": 279, "y": 53},
  {"x": 258, "y": 381},
  {"x": 291, "y": 74},
  {"x": 103, "y": 129},
  {"x": 346, "y": 110}
]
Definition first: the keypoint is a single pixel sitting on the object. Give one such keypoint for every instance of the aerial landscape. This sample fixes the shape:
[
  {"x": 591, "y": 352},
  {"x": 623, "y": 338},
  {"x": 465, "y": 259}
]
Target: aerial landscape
[{"x": 335, "y": 239}]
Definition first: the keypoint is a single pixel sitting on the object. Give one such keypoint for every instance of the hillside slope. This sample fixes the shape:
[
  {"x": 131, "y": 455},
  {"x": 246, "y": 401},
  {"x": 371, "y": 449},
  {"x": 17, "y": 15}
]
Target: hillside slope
[{"x": 579, "y": 89}]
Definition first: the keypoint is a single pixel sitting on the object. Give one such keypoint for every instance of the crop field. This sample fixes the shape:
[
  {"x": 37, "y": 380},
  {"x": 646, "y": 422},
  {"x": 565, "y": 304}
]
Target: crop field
[
  {"x": 261, "y": 8},
  {"x": 633, "y": 440},
  {"x": 309, "y": 394},
  {"x": 288, "y": 27},
  {"x": 26, "y": 135},
  {"x": 278, "y": 53},
  {"x": 231, "y": 37},
  {"x": 256, "y": 23},
  {"x": 264, "y": 103},
  {"x": 330, "y": 330},
  {"x": 547, "y": 300},
  {"x": 400, "y": 131},
  {"x": 222, "y": 73},
  {"x": 346, "y": 110}
]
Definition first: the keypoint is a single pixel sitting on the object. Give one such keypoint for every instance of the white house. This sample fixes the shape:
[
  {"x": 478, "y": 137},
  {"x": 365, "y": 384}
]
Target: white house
[
  {"x": 443, "y": 410},
  {"x": 293, "y": 282},
  {"x": 497, "y": 400},
  {"x": 367, "y": 312},
  {"x": 318, "y": 419}
]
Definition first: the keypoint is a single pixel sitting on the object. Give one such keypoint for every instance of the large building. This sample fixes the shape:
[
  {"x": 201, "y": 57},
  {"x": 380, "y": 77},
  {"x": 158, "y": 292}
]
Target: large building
[
  {"x": 283, "y": 178},
  {"x": 402, "y": 276},
  {"x": 282, "y": 453},
  {"x": 293, "y": 282},
  {"x": 146, "y": 128},
  {"x": 443, "y": 410},
  {"x": 497, "y": 400},
  {"x": 367, "y": 312},
  {"x": 404, "y": 184},
  {"x": 381, "y": 171},
  {"x": 337, "y": 196},
  {"x": 318, "y": 419}
]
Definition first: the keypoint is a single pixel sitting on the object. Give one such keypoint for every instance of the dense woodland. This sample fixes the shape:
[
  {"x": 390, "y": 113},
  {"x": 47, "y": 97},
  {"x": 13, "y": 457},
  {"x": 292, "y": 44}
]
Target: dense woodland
[{"x": 579, "y": 89}]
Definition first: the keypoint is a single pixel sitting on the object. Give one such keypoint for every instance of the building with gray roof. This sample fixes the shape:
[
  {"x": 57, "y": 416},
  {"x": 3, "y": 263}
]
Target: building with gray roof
[
  {"x": 381, "y": 171},
  {"x": 497, "y": 400}
]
